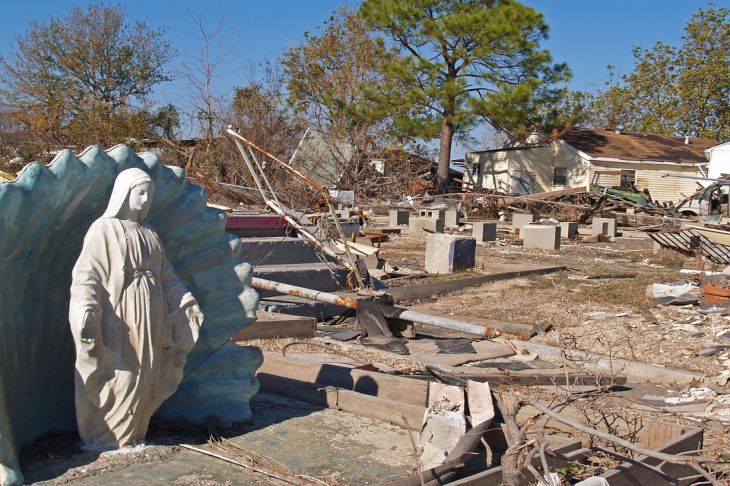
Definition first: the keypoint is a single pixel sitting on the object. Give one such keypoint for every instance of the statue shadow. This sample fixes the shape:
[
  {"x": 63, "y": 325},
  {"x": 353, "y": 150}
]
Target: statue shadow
[
  {"x": 52, "y": 455},
  {"x": 267, "y": 409}
]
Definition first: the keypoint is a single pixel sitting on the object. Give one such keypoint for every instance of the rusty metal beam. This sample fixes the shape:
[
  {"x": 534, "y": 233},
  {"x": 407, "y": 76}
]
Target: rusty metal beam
[{"x": 521, "y": 330}]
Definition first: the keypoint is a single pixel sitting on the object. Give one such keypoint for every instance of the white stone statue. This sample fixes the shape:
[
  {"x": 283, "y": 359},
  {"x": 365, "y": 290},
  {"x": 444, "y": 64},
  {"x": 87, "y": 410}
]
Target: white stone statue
[{"x": 132, "y": 320}]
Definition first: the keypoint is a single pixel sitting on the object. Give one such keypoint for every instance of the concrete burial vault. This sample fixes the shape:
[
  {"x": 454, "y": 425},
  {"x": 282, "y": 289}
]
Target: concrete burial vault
[{"x": 44, "y": 215}]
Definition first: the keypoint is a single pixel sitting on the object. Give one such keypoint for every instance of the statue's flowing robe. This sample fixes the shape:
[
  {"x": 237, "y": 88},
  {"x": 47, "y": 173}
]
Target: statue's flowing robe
[{"x": 141, "y": 333}]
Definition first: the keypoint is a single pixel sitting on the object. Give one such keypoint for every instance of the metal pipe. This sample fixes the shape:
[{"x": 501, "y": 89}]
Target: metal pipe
[
  {"x": 319, "y": 188},
  {"x": 273, "y": 157},
  {"x": 282, "y": 288},
  {"x": 349, "y": 302},
  {"x": 276, "y": 206},
  {"x": 260, "y": 167},
  {"x": 707, "y": 179}
]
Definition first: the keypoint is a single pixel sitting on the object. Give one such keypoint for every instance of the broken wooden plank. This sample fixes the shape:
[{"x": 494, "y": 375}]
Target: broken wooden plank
[
  {"x": 485, "y": 350},
  {"x": 397, "y": 413},
  {"x": 595, "y": 363},
  {"x": 533, "y": 377},
  {"x": 629, "y": 474},
  {"x": 395, "y": 388},
  {"x": 422, "y": 291},
  {"x": 272, "y": 326},
  {"x": 491, "y": 328}
]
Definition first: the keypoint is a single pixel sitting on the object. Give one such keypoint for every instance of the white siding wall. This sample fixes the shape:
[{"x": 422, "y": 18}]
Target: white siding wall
[
  {"x": 719, "y": 161},
  {"x": 498, "y": 167},
  {"x": 649, "y": 176}
]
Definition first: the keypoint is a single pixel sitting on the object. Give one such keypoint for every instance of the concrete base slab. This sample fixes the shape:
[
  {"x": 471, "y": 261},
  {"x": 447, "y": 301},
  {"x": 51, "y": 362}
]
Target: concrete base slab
[
  {"x": 541, "y": 236},
  {"x": 519, "y": 220},
  {"x": 397, "y": 217},
  {"x": 309, "y": 440},
  {"x": 420, "y": 227},
  {"x": 604, "y": 226},
  {"x": 449, "y": 253},
  {"x": 484, "y": 231}
]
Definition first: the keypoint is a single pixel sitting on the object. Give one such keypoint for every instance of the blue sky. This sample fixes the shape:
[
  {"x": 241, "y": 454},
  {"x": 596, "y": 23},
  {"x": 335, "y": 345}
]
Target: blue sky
[{"x": 587, "y": 34}]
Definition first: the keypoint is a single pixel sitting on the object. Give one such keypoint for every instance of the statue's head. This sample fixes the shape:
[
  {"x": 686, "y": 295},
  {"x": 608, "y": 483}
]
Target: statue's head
[{"x": 132, "y": 195}]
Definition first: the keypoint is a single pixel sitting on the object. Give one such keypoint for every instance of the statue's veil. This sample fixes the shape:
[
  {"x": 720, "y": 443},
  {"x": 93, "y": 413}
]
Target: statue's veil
[{"x": 125, "y": 181}]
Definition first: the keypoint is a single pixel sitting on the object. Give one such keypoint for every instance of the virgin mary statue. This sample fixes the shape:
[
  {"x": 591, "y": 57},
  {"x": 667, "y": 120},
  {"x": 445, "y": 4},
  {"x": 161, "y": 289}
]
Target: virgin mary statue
[{"x": 132, "y": 319}]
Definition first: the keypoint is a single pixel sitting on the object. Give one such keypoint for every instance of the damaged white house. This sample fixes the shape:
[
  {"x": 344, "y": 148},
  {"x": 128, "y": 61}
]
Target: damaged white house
[{"x": 574, "y": 158}]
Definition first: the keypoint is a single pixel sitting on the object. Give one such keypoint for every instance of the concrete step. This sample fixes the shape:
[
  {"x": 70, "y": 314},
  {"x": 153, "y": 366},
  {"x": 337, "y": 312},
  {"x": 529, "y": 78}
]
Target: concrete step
[
  {"x": 316, "y": 276},
  {"x": 277, "y": 251}
]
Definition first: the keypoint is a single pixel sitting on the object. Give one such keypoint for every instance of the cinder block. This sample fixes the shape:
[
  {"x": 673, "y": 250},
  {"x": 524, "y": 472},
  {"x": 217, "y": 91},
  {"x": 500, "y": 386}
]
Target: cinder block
[
  {"x": 451, "y": 217},
  {"x": 397, "y": 217},
  {"x": 419, "y": 227},
  {"x": 519, "y": 220},
  {"x": 484, "y": 231},
  {"x": 449, "y": 253},
  {"x": 604, "y": 226},
  {"x": 432, "y": 213},
  {"x": 541, "y": 236},
  {"x": 568, "y": 229}
]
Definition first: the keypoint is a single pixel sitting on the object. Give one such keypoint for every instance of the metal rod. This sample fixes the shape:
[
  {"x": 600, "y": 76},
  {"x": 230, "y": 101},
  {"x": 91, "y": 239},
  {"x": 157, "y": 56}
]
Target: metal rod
[
  {"x": 323, "y": 190},
  {"x": 277, "y": 209},
  {"x": 273, "y": 157},
  {"x": 349, "y": 302},
  {"x": 709, "y": 179},
  {"x": 249, "y": 165},
  {"x": 355, "y": 271},
  {"x": 260, "y": 167}
]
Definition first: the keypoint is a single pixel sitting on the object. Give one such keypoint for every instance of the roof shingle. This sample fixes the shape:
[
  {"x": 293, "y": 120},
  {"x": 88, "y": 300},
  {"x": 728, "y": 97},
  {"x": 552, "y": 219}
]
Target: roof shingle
[{"x": 637, "y": 146}]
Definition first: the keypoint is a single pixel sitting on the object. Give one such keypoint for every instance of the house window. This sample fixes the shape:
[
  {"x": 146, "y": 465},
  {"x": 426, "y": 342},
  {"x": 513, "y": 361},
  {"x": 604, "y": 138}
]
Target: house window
[
  {"x": 560, "y": 176},
  {"x": 478, "y": 169}
]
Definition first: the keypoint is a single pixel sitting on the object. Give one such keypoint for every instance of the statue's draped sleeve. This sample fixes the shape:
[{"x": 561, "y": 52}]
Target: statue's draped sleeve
[
  {"x": 96, "y": 281},
  {"x": 178, "y": 299}
]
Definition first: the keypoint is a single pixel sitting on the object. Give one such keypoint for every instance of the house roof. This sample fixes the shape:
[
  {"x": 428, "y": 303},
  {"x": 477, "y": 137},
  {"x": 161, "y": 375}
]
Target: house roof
[
  {"x": 637, "y": 146},
  {"x": 720, "y": 146}
]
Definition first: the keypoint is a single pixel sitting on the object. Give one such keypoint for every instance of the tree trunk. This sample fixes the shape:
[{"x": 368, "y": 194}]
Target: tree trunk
[{"x": 442, "y": 174}]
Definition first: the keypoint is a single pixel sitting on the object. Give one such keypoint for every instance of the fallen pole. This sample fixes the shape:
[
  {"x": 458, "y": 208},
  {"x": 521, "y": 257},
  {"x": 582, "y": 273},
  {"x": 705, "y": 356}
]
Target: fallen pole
[{"x": 491, "y": 330}]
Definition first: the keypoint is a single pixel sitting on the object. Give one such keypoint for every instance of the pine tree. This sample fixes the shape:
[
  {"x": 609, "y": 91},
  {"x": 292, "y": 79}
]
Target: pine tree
[{"x": 463, "y": 60}]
